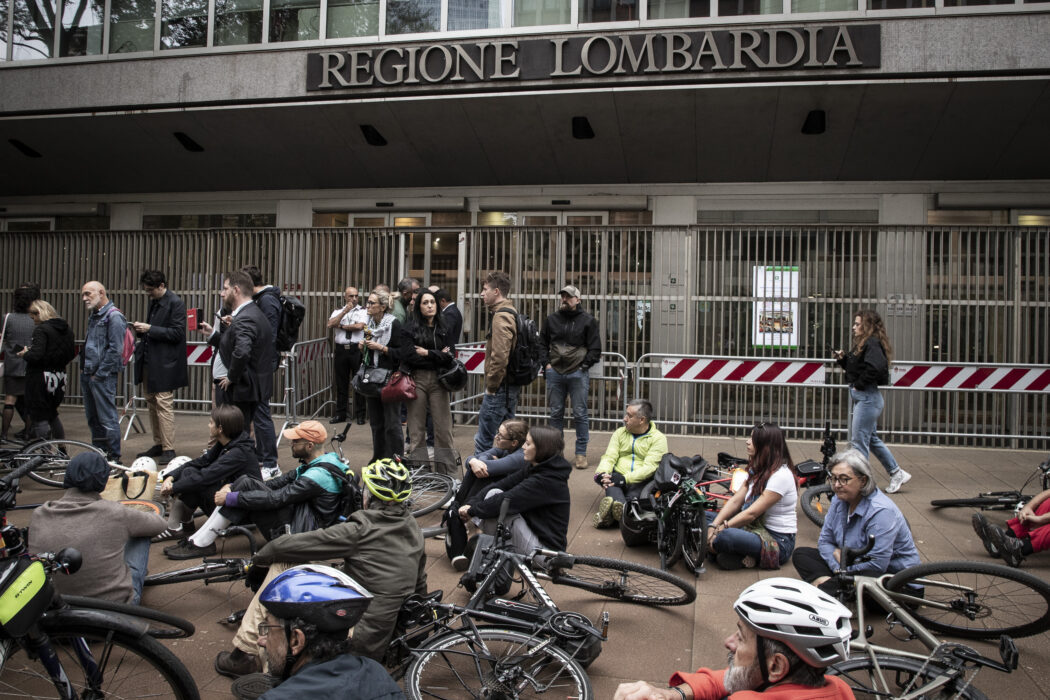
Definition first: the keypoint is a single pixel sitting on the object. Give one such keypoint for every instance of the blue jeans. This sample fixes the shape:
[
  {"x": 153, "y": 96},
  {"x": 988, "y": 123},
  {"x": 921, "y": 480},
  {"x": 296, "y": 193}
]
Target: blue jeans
[
  {"x": 136, "y": 556},
  {"x": 100, "y": 408},
  {"x": 867, "y": 407},
  {"x": 575, "y": 384},
  {"x": 495, "y": 408},
  {"x": 734, "y": 540},
  {"x": 265, "y": 434}
]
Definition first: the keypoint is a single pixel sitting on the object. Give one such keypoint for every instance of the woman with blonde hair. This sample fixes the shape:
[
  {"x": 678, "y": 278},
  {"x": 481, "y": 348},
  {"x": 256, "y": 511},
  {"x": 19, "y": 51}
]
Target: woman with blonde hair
[
  {"x": 386, "y": 346},
  {"x": 46, "y": 359},
  {"x": 867, "y": 366}
]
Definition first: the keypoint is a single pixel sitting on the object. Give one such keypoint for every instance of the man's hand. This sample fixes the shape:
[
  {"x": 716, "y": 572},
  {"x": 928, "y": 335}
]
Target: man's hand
[
  {"x": 224, "y": 383},
  {"x": 220, "y": 495},
  {"x": 479, "y": 468},
  {"x": 204, "y": 327},
  {"x": 464, "y": 513},
  {"x": 165, "y": 488},
  {"x": 141, "y": 327},
  {"x": 640, "y": 690}
]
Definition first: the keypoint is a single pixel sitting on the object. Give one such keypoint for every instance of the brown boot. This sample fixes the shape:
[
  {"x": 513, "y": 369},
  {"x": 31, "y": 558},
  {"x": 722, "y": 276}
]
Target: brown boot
[{"x": 237, "y": 663}]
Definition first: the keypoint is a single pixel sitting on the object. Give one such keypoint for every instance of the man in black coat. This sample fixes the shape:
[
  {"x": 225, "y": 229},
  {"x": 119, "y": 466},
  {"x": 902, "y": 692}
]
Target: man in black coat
[
  {"x": 246, "y": 348},
  {"x": 450, "y": 312},
  {"x": 268, "y": 299},
  {"x": 160, "y": 361}
]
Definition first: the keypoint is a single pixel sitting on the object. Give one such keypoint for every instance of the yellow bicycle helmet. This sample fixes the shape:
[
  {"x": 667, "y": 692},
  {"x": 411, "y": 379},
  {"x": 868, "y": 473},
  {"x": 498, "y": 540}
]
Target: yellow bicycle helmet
[{"x": 388, "y": 480}]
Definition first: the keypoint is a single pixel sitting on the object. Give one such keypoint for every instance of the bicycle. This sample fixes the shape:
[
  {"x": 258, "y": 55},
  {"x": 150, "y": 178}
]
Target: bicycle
[
  {"x": 964, "y": 599},
  {"x": 56, "y": 453},
  {"x": 211, "y": 570},
  {"x": 1001, "y": 500},
  {"x": 76, "y": 647}
]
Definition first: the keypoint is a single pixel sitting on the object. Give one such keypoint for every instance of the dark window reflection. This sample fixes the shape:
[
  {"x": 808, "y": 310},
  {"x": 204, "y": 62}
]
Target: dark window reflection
[
  {"x": 238, "y": 22},
  {"x": 294, "y": 20},
  {"x": 184, "y": 23},
  {"x": 410, "y": 16},
  {"x": 131, "y": 25},
  {"x": 81, "y": 28},
  {"x": 608, "y": 10}
]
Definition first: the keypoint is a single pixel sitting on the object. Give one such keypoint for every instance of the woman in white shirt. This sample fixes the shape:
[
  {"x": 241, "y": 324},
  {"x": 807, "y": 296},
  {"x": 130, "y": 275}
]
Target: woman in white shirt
[{"x": 757, "y": 526}]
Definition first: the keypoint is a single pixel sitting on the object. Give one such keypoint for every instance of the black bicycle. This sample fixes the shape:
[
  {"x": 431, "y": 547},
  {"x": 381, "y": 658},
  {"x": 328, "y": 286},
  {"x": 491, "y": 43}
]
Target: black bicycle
[
  {"x": 1001, "y": 500},
  {"x": 50, "y": 470},
  {"x": 212, "y": 569}
]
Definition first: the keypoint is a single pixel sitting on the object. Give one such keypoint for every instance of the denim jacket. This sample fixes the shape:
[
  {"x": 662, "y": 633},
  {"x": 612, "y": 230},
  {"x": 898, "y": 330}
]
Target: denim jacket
[{"x": 103, "y": 343}]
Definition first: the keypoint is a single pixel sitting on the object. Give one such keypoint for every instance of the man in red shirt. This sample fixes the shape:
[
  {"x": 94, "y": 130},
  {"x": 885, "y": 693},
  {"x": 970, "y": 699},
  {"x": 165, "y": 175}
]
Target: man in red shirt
[{"x": 788, "y": 632}]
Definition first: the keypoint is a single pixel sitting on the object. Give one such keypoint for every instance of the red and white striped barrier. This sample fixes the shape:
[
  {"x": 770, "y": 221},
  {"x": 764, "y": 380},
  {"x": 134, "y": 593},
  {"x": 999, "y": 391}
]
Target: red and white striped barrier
[
  {"x": 697, "y": 369},
  {"x": 472, "y": 358},
  {"x": 198, "y": 355},
  {"x": 310, "y": 350},
  {"x": 970, "y": 377}
]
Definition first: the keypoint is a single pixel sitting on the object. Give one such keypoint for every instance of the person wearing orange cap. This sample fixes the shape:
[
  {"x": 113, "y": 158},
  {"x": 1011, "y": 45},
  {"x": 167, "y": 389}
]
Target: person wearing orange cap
[{"x": 303, "y": 499}]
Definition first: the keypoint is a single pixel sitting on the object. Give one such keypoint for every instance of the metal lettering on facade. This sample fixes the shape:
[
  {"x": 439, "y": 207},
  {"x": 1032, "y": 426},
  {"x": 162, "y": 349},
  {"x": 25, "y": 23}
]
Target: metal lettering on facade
[{"x": 670, "y": 55}]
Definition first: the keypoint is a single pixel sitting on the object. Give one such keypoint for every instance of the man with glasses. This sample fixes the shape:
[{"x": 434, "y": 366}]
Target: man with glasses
[
  {"x": 348, "y": 322},
  {"x": 160, "y": 361},
  {"x": 634, "y": 453}
]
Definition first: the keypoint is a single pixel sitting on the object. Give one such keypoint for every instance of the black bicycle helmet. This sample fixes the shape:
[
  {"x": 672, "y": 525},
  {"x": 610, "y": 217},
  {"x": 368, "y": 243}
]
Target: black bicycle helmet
[
  {"x": 319, "y": 595},
  {"x": 388, "y": 480}
]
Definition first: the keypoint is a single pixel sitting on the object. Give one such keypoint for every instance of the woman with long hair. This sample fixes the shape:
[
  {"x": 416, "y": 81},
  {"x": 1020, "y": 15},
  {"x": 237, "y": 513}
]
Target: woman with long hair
[
  {"x": 17, "y": 330},
  {"x": 434, "y": 350},
  {"x": 46, "y": 361},
  {"x": 867, "y": 365},
  {"x": 386, "y": 346},
  {"x": 757, "y": 526}
]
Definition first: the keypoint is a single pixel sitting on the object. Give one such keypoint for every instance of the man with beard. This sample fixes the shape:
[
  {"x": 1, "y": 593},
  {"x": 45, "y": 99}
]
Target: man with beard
[{"x": 787, "y": 634}]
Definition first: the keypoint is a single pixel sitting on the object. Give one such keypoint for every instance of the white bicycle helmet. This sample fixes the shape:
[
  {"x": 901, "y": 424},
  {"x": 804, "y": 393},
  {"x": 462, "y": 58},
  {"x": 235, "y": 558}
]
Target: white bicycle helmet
[
  {"x": 811, "y": 623},
  {"x": 144, "y": 464},
  {"x": 172, "y": 466}
]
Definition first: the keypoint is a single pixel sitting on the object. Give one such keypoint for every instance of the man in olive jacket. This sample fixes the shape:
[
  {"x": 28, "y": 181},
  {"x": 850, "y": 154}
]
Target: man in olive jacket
[{"x": 160, "y": 361}]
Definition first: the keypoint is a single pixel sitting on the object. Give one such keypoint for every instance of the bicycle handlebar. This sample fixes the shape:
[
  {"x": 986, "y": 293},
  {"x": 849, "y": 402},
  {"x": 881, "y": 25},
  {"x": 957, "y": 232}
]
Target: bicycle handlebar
[
  {"x": 8, "y": 480},
  {"x": 851, "y": 555}
]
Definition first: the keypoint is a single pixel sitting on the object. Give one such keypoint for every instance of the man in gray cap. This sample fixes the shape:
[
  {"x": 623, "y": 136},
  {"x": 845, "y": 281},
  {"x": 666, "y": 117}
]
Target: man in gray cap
[
  {"x": 570, "y": 344},
  {"x": 113, "y": 538}
]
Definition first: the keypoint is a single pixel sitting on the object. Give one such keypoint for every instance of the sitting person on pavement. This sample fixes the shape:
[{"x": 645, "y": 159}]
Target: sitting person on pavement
[
  {"x": 381, "y": 546},
  {"x": 310, "y": 610},
  {"x": 113, "y": 538},
  {"x": 483, "y": 469},
  {"x": 192, "y": 485},
  {"x": 1026, "y": 534},
  {"x": 757, "y": 526},
  {"x": 634, "y": 453},
  {"x": 303, "y": 499},
  {"x": 859, "y": 509},
  {"x": 787, "y": 634}
]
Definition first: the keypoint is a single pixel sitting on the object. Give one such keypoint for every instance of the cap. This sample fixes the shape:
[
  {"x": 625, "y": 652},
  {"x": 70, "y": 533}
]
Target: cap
[
  {"x": 570, "y": 290},
  {"x": 310, "y": 430}
]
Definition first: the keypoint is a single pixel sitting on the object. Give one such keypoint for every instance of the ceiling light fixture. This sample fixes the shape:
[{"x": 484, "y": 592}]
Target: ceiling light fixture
[
  {"x": 372, "y": 135},
  {"x": 816, "y": 123},
  {"x": 581, "y": 128}
]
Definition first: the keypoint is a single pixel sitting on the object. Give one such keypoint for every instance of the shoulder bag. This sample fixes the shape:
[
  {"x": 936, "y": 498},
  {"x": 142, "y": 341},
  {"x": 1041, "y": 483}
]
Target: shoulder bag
[{"x": 401, "y": 387}]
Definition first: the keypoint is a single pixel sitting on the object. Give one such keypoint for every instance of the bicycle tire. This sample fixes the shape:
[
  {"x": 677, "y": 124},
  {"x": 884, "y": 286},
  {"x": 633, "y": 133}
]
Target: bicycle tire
[
  {"x": 464, "y": 663},
  {"x": 816, "y": 500},
  {"x": 694, "y": 540},
  {"x": 860, "y": 676},
  {"x": 1005, "y": 502},
  {"x": 174, "y": 627},
  {"x": 633, "y": 583},
  {"x": 1006, "y": 601},
  {"x": 430, "y": 491},
  {"x": 132, "y": 666},
  {"x": 193, "y": 573},
  {"x": 669, "y": 541},
  {"x": 58, "y": 452}
]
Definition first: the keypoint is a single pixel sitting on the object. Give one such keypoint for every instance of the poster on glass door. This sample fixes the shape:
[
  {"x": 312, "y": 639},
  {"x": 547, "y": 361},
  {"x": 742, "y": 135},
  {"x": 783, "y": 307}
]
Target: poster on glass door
[{"x": 775, "y": 321}]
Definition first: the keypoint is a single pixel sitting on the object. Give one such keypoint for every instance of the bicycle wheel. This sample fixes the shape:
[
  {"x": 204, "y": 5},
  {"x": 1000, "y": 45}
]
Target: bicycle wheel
[
  {"x": 626, "y": 581},
  {"x": 669, "y": 541},
  {"x": 899, "y": 675},
  {"x": 694, "y": 540},
  {"x": 495, "y": 663},
  {"x": 430, "y": 491},
  {"x": 193, "y": 573},
  {"x": 58, "y": 453},
  {"x": 130, "y": 667},
  {"x": 1004, "y": 502},
  {"x": 980, "y": 601},
  {"x": 170, "y": 627},
  {"x": 816, "y": 500}
]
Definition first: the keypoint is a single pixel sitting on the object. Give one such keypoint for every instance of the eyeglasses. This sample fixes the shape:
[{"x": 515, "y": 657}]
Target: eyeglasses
[
  {"x": 371, "y": 303},
  {"x": 266, "y": 630},
  {"x": 839, "y": 480},
  {"x": 501, "y": 436}
]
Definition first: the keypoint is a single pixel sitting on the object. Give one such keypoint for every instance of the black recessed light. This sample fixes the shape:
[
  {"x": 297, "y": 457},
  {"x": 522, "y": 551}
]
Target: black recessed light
[
  {"x": 372, "y": 135},
  {"x": 581, "y": 128},
  {"x": 24, "y": 149},
  {"x": 816, "y": 123},
  {"x": 188, "y": 143}
]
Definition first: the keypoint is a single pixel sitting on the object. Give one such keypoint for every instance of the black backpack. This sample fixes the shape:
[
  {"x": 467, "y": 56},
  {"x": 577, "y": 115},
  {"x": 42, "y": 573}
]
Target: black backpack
[
  {"x": 523, "y": 365},
  {"x": 292, "y": 314},
  {"x": 350, "y": 497}
]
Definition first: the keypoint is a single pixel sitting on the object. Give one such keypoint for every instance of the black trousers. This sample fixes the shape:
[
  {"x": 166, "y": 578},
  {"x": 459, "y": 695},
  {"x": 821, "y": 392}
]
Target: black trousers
[
  {"x": 811, "y": 566},
  {"x": 387, "y": 438},
  {"x": 346, "y": 362},
  {"x": 271, "y": 523}
]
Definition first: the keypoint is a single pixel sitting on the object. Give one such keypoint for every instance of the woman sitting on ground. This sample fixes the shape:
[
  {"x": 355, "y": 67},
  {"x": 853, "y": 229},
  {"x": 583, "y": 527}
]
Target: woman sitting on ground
[
  {"x": 1026, "y": 534},
  {"x": 859, "y": 509},
  {"x": 757, "y": 526},
  {"x": 484, "y": 468},
  {"x": 193, "y": 485}
]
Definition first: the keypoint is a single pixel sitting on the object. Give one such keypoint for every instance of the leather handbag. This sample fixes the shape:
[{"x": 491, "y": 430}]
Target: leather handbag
[
  {"x": 454, "y": 378},
  {"x": 401, "y": 387},
  {"x": 369, "y": 381}
]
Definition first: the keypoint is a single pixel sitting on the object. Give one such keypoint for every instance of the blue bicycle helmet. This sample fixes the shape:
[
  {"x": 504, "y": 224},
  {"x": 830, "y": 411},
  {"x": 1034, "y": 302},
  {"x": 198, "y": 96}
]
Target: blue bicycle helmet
[{"x": 319, "y": 595}]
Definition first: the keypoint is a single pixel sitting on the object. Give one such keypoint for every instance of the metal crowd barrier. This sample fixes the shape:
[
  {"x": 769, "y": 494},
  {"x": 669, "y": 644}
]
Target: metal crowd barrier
[{"x": 309, "y": 378}]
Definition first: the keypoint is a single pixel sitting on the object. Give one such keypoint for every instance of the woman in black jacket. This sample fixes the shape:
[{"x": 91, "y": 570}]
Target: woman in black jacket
[
  {"x": 538, "y": 515},
  {"x": 46, "y": 361},
  {"x": 433, "y": 351},
  {"x": 867, "y": 366},
  {"x": 385, "y": 345}
]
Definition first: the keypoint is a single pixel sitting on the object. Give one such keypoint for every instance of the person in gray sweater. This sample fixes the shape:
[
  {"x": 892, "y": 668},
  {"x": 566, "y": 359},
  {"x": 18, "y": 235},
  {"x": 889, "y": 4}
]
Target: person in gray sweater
[{"x": 113, "y": 538}]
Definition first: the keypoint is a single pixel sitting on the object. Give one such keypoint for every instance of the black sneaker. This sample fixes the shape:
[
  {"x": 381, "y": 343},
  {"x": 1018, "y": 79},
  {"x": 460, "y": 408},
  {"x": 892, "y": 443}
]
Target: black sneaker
[
  {"x": 981, "y": 527},
  {"x": 113, "y": 458},
  {"x": 729, "y": 562},
  {"x": 338, "y": 418},
  {"x": 165, "y": 456},
  {"x": 188, "y": 550},
  {"x": 155, "y": 451},
  {"x": 1010, "y": 548}
]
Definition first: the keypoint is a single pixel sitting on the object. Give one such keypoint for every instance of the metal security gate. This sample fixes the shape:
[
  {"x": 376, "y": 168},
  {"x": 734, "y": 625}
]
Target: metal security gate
[{"x": 948, "y": 294}]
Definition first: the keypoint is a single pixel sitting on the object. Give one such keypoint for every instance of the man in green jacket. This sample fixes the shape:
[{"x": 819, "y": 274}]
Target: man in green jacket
[{"x": 629, "y": 462}]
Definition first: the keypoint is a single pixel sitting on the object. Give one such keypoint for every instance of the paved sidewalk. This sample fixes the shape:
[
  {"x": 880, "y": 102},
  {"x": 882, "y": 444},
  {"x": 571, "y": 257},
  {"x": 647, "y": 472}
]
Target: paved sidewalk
[{"x": 647, "y": 643}]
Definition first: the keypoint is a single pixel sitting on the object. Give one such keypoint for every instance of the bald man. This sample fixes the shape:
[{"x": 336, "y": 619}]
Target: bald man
[{"x": 100, "y": 365}]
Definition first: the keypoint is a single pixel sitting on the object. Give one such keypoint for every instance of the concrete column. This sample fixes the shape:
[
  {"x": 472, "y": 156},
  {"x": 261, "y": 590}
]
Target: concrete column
[
  {"x": 125, "y": 216},
  {"x": 295, "y": 213}
]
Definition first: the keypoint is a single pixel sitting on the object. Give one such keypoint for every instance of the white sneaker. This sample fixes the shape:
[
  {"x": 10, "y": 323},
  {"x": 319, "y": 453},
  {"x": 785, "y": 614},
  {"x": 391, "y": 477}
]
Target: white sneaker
[
  {"x": 899, "y": 478},
  {"x": 270, "y": 472}
]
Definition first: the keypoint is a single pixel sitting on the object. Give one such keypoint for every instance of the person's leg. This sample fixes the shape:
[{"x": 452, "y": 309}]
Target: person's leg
[
  {"x": 359, "y": 399},
  {"x": 556, "y": 388},
  {"x": 809, "y": 564},
  {"x": 89, "y": 389},
  {"x": 417, "y": 412},
  {"x": 341, "y": 379},
  {"x": 58, "y": 431},
  {"x": 165, "y": 401},
  {"x": 522, "y": 539},
  {"x": 136, "y": 556},
  {"x": 265, "y": 435},
  {"x": 493, "y": 408},
  {"x": 209, "y": 531},
  {"x": 9, "y": 414},
  {"x": 104, "y": 399},
  {"x": 393, "y": 438},
  {"x": 511, "y": 405},
  {"x": 736, "y": 541},
  {"x": 864, "y": 416},
  {"x": 579, "y": 383},
  {"x": 376, "y": 418},
  {"x": 440, "y": 414},
  {"x": 179, "y": 513},
  {"x": 247, "y": 637}
]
